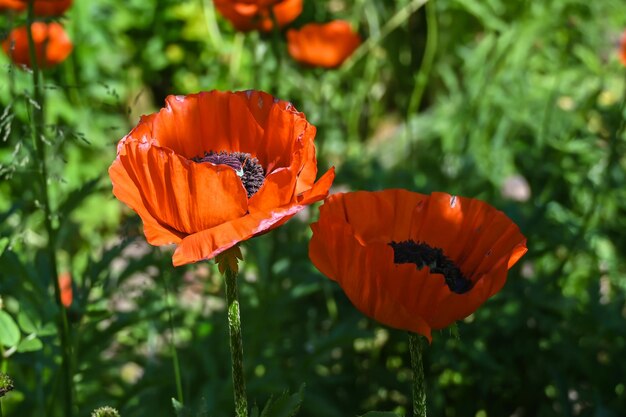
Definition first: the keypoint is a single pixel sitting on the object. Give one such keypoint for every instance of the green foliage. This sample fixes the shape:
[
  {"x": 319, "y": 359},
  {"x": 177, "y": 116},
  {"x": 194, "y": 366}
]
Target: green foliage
[
  {"x": 522, "y": 108},
  {"x": 285, "y": 405}
]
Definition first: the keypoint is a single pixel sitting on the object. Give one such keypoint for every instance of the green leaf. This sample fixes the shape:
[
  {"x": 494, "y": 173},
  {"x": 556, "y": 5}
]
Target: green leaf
[
  {"x": 30, "y": 345},
  {"x": 49, "y": 329},
  {"x": 284, "y": 405},
  {"x": 379, "y": 414},
  {"x": 9, "y": 332},
  {"x": 26, "y": 323},
  {"x": 4, "y": 243}
]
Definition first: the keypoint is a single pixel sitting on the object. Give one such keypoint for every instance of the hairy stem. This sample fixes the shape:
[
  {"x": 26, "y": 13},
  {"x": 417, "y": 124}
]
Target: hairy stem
[
  {"x": 419, "y": 385},
  {"x": 37, "y": 107},
  {"x": 236, "y": 344}
]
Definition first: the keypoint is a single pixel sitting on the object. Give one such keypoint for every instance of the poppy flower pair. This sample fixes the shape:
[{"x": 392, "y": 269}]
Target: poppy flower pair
[
  {"x": 213, "y": 169},
  {"x": 321, "y": 45},
  {"x": 247, "y": 15},
  {"x": 52, "y": 45},
  {"x": 41, "y": 7}
]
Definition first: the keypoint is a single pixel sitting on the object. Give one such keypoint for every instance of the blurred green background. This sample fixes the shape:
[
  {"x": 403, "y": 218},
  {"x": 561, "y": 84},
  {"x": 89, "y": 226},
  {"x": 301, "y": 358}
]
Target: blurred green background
[{"x": 521, "y": 108}]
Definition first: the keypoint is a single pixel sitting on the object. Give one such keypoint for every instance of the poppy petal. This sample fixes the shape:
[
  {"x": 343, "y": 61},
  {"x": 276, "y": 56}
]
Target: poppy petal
[
  {"x": 214, "y": 121},
  {"x": 350, "y": 245},
  {"x": 393, "y": 204},
  {"x": 209, "y": 243},
  {"x": 204, "y": 206},
  {"x": 364, "y": 275},
  {"x": 127, "y": 191},
  {"x": 458, "y": 306},
  {"x": 174, "y": 189}
]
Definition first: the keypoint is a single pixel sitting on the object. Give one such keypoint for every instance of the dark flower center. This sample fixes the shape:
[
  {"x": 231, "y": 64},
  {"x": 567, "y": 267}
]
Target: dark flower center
[
  {"x": 421, "y": 254},
  {"x": 248, "y": 169}
]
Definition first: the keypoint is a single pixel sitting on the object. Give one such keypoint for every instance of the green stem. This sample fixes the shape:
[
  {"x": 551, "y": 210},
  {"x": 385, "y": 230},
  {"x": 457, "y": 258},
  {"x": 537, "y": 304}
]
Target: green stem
[
  {"x": 276, "y": 50},
  {"x": 419, "y": 385},
  {"x": 39, "y": 145},
  {"x": 175, "y": 361},
  {"x": 236, "y": 344},
  {"x": 421, "y": 79}
]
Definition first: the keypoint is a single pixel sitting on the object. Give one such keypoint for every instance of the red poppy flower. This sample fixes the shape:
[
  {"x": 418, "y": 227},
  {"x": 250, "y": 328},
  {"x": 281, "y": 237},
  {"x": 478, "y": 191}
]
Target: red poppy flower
[
  {"x": 246, "y": 15},
  {"x": 215, "y": 168},
  {"x": 52, "y": 44},
  {"x": 41, "y": 7},
  {"x": 413, "y": 261},
  {"x": 12, "y": 5},
  {"x": 323, "y": 45},
  {"x": 65, "y": 284},
  {"x": 622, "y": 48}
]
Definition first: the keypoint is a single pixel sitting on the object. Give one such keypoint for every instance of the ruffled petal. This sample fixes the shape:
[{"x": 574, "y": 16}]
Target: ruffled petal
[
  {"x": 286, "y": 135},
  {"x": 209, "y": 243},
  {"x": 396, "y": 207},
  {"x": 181, "y": 194},
  {"x": 458, "y": 306},
  {"x": 209, "y": 121},
  {"x": 126, "y": 190},
  {"x": 350, "y": 245},
  {"x": 366, "y": 275},
  {"x": 235, "y": 122},
  {"x": 277, "y": 191}
]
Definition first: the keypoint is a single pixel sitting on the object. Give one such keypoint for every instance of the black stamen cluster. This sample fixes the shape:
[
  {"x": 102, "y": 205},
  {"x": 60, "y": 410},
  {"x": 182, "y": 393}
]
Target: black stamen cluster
[
  {"x": 248, "y": 169},
  {"x": 421, "y": 254}
]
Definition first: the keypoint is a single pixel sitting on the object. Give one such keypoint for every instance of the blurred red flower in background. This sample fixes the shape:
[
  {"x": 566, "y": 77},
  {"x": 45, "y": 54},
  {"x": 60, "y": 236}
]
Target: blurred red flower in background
[
  {"x": 12, "y": 5},
  {"x": 52, "y": 45},
  {"x": 65, "y": 284},
  {"x": 246, "y": 15},
  {"x": 413, "y": 261},
  {"x": 41, "y": 7},
  {"x": 216, "y": 168},
  {"x": 323, "y": 45}
]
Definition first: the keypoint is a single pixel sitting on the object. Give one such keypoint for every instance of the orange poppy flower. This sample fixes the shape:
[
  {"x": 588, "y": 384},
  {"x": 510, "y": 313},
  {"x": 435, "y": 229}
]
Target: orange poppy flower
[
  {"x": 622, "y": 48},
  {"x": 42, "y": 7},
  {"x": 246, "y": 15},
  {"x": 413, "y": 261},
  {"x": 65, "y": 284},
  {"x": 215, "y": 168},
  {"x": 52, "y": 44},
  {"x": 323, "y": 45}
]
